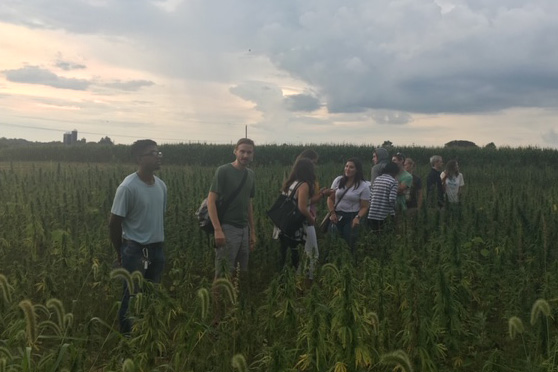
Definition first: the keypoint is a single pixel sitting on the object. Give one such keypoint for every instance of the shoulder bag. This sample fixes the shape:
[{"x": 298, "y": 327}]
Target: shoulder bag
[
  {"x": 203, "y": 214},
  {"x": 285, "y": 213}
]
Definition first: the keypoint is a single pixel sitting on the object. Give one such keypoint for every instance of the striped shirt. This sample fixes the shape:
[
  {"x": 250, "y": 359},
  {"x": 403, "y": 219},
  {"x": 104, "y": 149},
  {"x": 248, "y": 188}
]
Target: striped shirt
[{"x": 382, "y": 198}]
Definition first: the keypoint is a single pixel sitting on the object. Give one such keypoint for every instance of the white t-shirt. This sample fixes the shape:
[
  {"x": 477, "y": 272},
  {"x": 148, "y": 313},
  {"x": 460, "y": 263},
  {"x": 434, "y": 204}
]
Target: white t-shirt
[
  {"x": 351, "y": 200},
  {"x": 452, "y": 187}
]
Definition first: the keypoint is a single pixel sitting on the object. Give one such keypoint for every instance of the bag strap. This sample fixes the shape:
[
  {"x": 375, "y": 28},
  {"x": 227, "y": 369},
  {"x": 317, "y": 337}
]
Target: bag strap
[
  {"x": 226, "y": 203},
  {"x": 341, "y": 197},
  {"x": 291, "y": 194}
]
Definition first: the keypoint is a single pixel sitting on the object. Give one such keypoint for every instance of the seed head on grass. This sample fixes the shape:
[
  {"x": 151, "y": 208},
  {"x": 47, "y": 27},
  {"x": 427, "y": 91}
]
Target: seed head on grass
[
  {"x": 227, "y": 286},
  {"x": 123, "y": 274},
  {"x": 68, "y": 320},
  {"x": 238, "y": 362},
  {"x": 515, "y": 326},
  {"x": 30, "y": 322},
  {"x": 128, "y": 366},
  {"x": 58, "y": 308},
  {"x": 331, "y": 267},
  {"x": 340, "y": 367},
  {"x": 540, "y": 307},
  {"x": 203, "y": 295},
  {"x": 6, "y": 289},
  {"x": 399, "y": 358}
]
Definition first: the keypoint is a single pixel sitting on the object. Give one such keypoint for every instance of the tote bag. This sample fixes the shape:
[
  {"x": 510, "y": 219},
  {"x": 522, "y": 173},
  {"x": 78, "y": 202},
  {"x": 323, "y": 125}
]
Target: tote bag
[{"x": 285, "y": 213}]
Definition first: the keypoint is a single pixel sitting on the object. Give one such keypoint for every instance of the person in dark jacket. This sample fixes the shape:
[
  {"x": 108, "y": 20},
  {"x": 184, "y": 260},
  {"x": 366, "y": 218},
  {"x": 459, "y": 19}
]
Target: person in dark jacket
[{"x": 434, "y": 186}]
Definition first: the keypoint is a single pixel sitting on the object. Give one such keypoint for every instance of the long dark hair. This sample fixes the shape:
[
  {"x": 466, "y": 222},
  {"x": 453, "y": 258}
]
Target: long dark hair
[
  {"x": 451, "y": 169},
  {"x": 303, "y": 171},
  {"x": 359, "y": 175},
  {"x": 308, "y": 154}
]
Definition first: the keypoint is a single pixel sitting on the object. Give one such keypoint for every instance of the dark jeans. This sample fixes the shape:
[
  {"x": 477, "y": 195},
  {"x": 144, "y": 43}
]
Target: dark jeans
[
  {"x": 134, "y": 258},
  {"x": 287, "y": 243},
  {"x": 381, "y": 225},
  {"x": 345, "y": 229}
]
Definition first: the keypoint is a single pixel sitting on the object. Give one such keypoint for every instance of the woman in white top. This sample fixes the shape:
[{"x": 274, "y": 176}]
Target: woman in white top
[
  {"x": 452, "y": 181},
  {"x": 349, "y": 204}
]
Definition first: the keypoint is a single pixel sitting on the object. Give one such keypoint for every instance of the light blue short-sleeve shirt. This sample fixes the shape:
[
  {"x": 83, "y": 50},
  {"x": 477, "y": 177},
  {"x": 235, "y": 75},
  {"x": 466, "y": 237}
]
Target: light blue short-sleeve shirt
[{"x": 143, "y": 207}]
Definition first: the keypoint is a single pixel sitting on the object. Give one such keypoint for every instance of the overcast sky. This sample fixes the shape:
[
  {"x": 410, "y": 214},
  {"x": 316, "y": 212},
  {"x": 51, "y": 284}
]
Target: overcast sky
[{"x": 417, "y": 72}]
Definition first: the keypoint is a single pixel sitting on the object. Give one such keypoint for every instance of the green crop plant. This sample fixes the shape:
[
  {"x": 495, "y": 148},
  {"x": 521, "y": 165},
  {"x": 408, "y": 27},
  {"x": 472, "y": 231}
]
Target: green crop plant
[
  {"x": 436, "y": 286},
  {"x": 398, "y": 359}
]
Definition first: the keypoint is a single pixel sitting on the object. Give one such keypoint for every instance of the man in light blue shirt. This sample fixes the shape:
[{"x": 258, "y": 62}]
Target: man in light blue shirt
[{"x": 136, "y": 222}]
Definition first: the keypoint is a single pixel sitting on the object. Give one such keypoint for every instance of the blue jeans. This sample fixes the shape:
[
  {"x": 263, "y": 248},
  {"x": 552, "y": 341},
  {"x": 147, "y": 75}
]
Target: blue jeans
[
  {"x": 134, "y": 258},
  {"x": 345, "y": 229}
]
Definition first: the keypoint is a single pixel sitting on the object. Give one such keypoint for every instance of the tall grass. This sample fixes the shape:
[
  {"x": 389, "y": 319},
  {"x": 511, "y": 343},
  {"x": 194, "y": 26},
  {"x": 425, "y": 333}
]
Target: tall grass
[{"x": 434, "y": 295}]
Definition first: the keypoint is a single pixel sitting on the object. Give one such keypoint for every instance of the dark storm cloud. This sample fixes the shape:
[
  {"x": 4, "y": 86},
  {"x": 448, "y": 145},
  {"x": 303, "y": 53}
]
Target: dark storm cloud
[
  {"x": 420, "y": 56},
  {"x": 301, "y": 102}
]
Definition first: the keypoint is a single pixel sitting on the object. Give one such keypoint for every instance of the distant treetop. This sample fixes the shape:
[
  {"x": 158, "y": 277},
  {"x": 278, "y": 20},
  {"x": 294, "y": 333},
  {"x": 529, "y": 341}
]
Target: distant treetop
[{"x": 460, "y": 143}]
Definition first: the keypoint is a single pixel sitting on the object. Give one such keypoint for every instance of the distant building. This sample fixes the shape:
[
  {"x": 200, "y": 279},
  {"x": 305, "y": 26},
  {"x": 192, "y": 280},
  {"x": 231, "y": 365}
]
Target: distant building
[
  {"x": 67, "y": 138},
  {"x": 71, "y": 137}
]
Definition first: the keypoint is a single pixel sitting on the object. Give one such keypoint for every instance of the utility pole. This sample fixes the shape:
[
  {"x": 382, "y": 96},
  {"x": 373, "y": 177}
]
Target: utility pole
[{"x": 245, "y": 131}]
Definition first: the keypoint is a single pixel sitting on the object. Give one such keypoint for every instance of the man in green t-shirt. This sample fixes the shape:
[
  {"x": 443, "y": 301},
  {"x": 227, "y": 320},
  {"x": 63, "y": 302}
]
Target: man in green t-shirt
[
  {"x": 234, "y": 233},
  {"x": 405, "y": 180}
]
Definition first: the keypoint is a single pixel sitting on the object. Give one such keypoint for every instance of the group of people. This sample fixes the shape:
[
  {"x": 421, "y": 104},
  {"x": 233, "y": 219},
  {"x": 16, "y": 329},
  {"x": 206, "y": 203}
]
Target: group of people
[
  {"x": 352, "y": 200},
  {"x": 136, "y": 221},
  {"x": 136, "y": 226}
]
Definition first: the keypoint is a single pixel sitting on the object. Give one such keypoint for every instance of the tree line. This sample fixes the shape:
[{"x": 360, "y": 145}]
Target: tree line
[{"x": 203, "y": 154}]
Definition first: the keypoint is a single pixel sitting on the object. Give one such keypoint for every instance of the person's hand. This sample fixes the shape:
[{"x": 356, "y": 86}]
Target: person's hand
[
  {"x": 219, "y": 238},
  {"x": 333, "y": 217},
  {"x": 326, "y": 191},
  {"x": 252, "y": 241},
  {"x": 356, "y": 222}
]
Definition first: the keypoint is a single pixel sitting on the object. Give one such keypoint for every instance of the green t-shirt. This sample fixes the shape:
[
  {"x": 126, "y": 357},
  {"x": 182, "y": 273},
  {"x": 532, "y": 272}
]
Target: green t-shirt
[
  {"x": 404, "y": 178},
  {"x": 226, "y": 180}
]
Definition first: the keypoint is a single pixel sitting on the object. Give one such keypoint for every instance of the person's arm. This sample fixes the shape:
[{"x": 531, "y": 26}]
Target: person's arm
[
  {"x": 115, "y": 234},
  {"x": 393, "y": 195},
  {"x": 303, "y": 196},
  {"x": 419, "y": 198},
  {"x": 443, "y": 178},
  {"x": 252, "y": 226},
  {"x": 331, "y": 207},
  {"x": 401, "y": 188},
  {"x": 324, "y": 193},
  {"x": 214, "y": 217},
  {"x": 461, "y": 184},
  {"x": 362, "y": 212}
]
